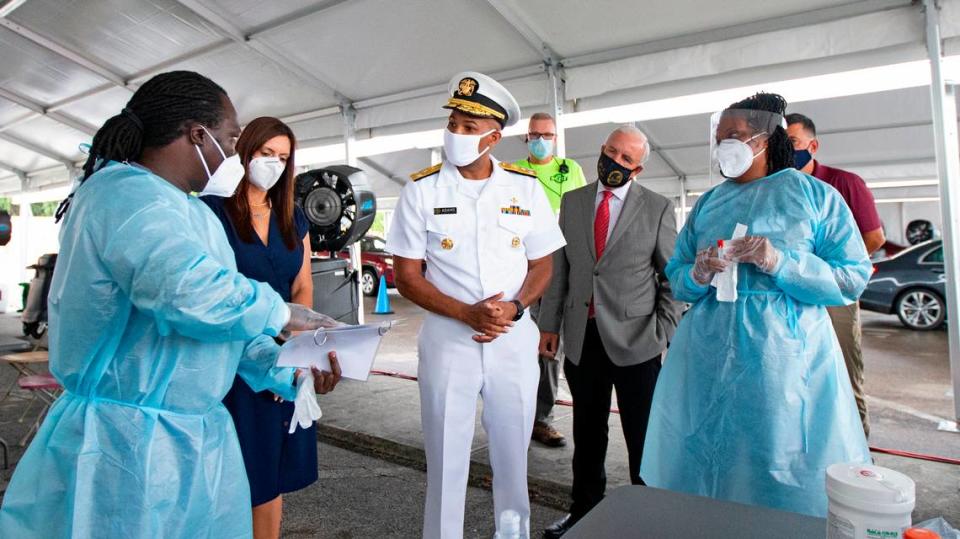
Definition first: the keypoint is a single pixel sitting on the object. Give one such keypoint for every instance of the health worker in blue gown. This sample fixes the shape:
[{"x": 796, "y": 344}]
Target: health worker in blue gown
[
  {"x": 149, "y": 324},
  {"x": 754, "y": 402}
]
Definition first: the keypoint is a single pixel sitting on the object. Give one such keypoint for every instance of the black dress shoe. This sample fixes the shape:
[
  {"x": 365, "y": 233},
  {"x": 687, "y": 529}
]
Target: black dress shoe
[{"x": 560, "y": 527}]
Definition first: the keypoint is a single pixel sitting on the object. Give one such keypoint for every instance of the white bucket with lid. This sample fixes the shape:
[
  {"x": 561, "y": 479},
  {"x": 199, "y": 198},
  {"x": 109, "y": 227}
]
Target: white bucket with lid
[{"x": 868, "y": 502}]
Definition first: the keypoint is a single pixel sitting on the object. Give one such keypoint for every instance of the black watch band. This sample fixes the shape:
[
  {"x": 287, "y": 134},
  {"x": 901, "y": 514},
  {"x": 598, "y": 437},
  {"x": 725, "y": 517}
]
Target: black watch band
[{"x": 519, "y": 306}]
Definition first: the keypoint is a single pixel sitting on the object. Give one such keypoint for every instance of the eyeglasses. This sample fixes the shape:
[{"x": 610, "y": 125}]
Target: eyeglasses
[{"x": 546, "y": 136}]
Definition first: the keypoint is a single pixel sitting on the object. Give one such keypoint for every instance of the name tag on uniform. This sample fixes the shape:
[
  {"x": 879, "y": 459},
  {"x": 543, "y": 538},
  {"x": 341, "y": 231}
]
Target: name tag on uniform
[{"x": 445, "y": 211}]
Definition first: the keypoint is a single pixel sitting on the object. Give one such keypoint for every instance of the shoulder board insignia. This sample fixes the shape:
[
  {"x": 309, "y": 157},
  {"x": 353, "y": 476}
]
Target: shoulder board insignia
[
  {"x": 519, "y": 170},
  {"x": 429, "y": 171}
]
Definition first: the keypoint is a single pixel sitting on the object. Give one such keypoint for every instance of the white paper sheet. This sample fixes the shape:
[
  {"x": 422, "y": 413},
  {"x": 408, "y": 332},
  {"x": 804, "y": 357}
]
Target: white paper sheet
[
  {"x": 356, "y": 348},
  {"x": 726, "y": 281}
]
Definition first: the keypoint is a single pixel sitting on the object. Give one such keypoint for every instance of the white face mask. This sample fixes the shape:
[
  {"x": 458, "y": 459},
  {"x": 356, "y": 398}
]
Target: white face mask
[
  {"x": 222, "y": 182},
  {"x": 265, "y": 171},
  {"x": 735, "y": 156},
  {"x": 461, "y": 150}
]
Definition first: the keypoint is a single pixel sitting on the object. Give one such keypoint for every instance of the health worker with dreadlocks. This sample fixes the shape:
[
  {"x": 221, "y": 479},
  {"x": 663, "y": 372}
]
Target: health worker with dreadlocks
[
  {"x": 149, "y": 324},
  {"x": 753, "y": 402}
]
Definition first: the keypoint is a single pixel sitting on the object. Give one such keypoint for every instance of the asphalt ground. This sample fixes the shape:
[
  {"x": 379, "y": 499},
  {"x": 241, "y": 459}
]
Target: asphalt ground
[{"x": 371, "y": 465}]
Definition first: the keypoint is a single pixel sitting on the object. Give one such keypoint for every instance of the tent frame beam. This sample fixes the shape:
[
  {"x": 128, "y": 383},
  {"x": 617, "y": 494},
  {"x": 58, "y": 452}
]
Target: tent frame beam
[
  {"x": 234, "y": 35},
  {"x": 130, "y": 83},
  {"x": 39, "y": 110},
  {"x": 372, "y": 165},
  {"x": 77, "y": 58},
  {"x": 805, "y": 18},
  {"x": 515, "y": 20},
  {"x": 551, "y": 64},
  {"x": 799, "y": 19},
  {"x": 558, "y": 86},
  {"x": 20, "y": 173},
  {"x": 349, "y": 116},
  {"x": 944, "y": 111},
  {"x": 820, "y": 133},
  {"x": 787, "y": 22},
  {"x": 142, "y": 75},
  {"x": 265, "y": 50},
  {"x": 672, "y": 165},
  {"x": 65, "y": 161}
]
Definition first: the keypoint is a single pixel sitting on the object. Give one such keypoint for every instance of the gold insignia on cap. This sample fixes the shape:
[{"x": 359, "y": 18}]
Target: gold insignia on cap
[
  {"x": 446, "y": 244},
  {"x": 467, "y": 86},
  {"x": 476, "y": 109},
  {"x": 515, "y": 242}
]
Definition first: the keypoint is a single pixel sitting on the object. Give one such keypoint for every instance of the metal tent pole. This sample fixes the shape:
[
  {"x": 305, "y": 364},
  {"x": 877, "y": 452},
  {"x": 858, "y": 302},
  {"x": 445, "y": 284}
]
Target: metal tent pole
[
  {"x": 943, "y": 101},
  {"x": 349, "y": 116}
]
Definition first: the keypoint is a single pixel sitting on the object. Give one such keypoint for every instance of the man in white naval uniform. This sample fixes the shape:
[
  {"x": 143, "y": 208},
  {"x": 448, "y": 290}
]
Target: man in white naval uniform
[{"x": 487, "y": 232}]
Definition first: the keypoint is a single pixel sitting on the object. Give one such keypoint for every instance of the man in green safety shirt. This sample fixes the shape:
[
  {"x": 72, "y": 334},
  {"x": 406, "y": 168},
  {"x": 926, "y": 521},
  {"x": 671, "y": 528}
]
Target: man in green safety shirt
[{"x": 557, "y": 176}]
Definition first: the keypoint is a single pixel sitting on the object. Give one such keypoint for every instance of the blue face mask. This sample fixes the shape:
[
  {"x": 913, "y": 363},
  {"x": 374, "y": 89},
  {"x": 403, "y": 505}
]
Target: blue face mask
[
  {"x": 540, "y": 148},
  {"x": 801, "y": 158}
]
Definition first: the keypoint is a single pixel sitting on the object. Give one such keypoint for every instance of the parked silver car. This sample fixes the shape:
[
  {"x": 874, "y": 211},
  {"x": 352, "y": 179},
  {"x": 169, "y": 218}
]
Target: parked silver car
[{"x": 910, "y": 284}]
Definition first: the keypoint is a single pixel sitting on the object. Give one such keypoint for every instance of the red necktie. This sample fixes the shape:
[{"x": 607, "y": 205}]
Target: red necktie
[
  {"x": 602, "y": 223},
  {"x": 600, "y": 226}
]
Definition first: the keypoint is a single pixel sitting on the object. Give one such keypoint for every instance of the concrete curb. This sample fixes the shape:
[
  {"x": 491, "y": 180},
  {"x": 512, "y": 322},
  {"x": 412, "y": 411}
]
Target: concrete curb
[{"x": 542, "y": 491}]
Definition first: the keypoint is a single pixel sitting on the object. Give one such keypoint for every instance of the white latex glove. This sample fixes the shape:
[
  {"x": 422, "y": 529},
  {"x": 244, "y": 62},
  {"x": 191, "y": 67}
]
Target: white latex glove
[
  {"x": 306, "y": 410},
  {"x": 306, "y": 319},
  {"x": 756, "y": 250},
  {"x": 708, "y": 263}
]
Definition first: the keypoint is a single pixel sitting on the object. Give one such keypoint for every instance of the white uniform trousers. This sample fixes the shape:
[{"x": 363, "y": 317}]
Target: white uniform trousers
[{"x": 453, "y": 371}]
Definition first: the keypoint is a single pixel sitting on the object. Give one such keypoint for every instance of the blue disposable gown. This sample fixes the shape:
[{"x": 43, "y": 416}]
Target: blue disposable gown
[
  {"x": 149, "y": 324},
  {"x": 753, "y": 402}
]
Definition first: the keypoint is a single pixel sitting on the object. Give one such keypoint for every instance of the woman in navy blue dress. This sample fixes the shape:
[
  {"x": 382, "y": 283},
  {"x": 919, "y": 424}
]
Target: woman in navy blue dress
[{"x": 268, "y": 233}]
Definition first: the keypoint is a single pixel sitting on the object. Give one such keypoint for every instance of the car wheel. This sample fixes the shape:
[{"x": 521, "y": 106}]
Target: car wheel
[
  {"x": 921, "y": 309},
  {"x": 369, "y": 282}
]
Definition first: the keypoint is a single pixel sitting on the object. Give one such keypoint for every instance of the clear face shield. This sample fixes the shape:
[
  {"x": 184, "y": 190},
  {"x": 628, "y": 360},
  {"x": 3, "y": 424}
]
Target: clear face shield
[{"x": 737, "y": 138}]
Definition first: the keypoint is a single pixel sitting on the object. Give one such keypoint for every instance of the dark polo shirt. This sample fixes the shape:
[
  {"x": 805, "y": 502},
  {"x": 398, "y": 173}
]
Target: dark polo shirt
[{"x": 854, "y": 191}]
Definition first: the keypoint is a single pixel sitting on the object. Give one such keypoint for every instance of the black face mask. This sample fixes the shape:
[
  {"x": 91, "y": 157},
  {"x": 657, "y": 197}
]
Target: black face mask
[{"x": 611, "y": 173}]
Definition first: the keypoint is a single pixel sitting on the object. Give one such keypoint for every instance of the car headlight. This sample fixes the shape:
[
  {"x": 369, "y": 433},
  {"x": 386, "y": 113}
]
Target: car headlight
[{"x": 388, "y": 260}]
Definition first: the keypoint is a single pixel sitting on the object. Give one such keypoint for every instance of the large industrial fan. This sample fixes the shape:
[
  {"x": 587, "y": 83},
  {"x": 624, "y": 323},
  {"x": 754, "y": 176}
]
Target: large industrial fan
[
  {"x": 340, "y": 206},
  {"x": 920, "y": 230}
]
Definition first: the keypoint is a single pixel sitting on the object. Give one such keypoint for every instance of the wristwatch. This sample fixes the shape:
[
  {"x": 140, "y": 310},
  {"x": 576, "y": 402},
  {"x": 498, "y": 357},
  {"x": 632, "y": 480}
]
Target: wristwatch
[{"x": 519, "y": 306}]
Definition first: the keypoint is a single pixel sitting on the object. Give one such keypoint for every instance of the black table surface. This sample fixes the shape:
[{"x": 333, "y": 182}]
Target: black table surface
[{"x": 635, "y": 511}]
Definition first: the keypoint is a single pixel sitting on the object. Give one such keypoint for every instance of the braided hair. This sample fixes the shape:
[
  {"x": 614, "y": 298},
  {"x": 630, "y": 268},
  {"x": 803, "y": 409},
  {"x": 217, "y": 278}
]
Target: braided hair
[
  {"x": 779, "y": 148},
  {"x": 155, "y": 116}
]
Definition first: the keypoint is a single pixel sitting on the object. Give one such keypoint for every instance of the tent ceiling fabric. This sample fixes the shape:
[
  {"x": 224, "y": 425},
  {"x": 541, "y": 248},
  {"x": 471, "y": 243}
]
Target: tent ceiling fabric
[
  {"x": 392, "y": 60},
  {"x": 384, "y": 46},
  {"x": 614, "y": 26},
  {"x": 126, "y": 36}
]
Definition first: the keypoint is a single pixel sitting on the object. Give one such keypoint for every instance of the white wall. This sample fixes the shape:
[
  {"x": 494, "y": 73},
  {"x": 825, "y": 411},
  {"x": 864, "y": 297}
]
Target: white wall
[
  {"x": 896, "y": 215},
  {"x": 32, "y": 237}
]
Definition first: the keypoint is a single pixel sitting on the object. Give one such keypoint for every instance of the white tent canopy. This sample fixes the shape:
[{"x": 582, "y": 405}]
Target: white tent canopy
[{"x": 66, "y": 67}]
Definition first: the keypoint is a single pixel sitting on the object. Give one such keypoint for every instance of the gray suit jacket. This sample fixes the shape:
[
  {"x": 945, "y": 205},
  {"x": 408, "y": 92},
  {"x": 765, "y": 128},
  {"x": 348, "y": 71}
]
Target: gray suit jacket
[{"x": 635, "y": 311}]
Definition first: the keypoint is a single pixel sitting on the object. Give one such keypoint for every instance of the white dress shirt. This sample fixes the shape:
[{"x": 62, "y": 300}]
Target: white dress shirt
[
  {"x": 615, "y": 203},
  {"x": 476, "y": 235}
]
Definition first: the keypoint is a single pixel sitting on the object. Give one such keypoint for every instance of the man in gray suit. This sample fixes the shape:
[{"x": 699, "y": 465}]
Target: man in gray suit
[{"x": 611, "y": 297}]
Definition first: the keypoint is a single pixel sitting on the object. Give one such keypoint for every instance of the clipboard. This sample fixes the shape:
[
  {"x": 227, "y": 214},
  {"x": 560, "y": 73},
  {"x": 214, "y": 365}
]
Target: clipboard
[{"x": 356, "y": 348}]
